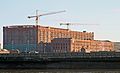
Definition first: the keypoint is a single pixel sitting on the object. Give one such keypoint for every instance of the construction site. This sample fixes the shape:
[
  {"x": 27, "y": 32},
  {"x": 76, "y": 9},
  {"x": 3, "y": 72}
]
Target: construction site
[
  {"x": 28, "y": 38},
  {"x": 46, "y": 47}
]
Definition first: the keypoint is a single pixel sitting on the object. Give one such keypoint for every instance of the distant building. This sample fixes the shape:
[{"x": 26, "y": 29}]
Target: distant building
[
  {"x": 32, "y": 37},
  {"x": 74, "y": 45},
  {"x": 117, "y": 46},
  {"x": 4, "y": 51}
]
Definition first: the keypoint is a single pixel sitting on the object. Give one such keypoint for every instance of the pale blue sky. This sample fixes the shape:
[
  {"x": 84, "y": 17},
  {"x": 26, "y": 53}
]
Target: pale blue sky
[{"x": 103, "y": 12}]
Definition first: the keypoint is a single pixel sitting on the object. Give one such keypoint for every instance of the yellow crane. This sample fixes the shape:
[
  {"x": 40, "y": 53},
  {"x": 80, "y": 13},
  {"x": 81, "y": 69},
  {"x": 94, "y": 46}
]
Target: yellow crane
[
  {"x": 39, "y": 15},
  {"x": 69, "y": 23}
]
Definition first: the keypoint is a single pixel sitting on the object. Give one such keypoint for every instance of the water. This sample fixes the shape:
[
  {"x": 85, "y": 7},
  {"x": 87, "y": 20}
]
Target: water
[{"x": 60, "y": 71}]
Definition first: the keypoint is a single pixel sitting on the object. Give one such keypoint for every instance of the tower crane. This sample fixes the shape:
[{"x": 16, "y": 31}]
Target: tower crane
[
  {"x": 68, "y": 23},
  {"x": 39, "y": 15}
]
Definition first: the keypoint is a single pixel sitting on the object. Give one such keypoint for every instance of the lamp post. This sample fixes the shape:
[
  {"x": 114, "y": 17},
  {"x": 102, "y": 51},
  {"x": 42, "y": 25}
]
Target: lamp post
[
  {"x": 27, "y": 46},
  {"x": 12, "y": 44}
]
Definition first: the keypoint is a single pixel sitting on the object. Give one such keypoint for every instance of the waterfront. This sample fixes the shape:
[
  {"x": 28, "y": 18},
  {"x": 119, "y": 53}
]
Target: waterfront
[{"x": 60, "y": 71}]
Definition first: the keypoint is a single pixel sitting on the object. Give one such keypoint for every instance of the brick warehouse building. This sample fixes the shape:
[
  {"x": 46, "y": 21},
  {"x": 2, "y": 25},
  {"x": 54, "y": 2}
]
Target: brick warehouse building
[
  {"x": 73, "y": 45},
  {"x": 32, "y": 37}
]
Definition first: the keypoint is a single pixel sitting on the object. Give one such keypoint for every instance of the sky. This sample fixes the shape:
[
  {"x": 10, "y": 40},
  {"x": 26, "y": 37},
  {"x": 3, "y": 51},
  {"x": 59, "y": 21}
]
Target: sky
[{"x": 106, "y": 13}]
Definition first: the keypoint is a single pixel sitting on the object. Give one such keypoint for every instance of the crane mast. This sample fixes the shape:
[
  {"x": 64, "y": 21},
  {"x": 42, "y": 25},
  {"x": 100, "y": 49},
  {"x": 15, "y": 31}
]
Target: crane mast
[{"x": 39, "y": 15}]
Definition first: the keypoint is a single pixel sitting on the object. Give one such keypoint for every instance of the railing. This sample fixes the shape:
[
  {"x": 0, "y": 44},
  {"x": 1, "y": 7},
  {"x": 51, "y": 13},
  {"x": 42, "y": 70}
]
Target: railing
[{"x": 64, "y": 55}]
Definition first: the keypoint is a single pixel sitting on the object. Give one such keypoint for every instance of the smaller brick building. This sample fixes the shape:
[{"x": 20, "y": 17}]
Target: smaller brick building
[
  {"x": 117, "y": 46},
  {"x": 61, "y": 45},
  {"x": 73, "y": 45}
]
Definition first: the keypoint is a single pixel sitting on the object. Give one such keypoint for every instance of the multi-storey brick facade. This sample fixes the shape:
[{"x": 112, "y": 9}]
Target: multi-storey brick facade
[
  {"x": 31, "y": 37},
  {"x": 74, "y": 45},
  {"x": 46, "y": 34},
  {"x": 19, "y": 37}
]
